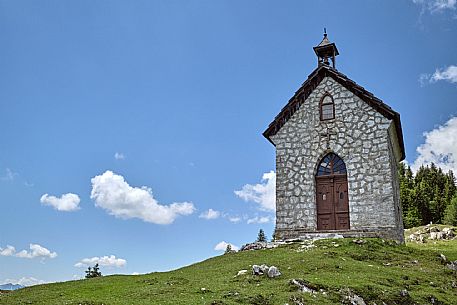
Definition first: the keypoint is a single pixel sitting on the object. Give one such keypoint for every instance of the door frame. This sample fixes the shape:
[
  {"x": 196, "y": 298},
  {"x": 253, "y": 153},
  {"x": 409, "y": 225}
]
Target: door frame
[{"x": 334, "y": 198}]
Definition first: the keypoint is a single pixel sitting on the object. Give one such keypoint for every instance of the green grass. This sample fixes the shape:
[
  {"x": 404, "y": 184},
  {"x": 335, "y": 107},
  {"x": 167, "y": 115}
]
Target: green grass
[{"x": 376, "y": 270}]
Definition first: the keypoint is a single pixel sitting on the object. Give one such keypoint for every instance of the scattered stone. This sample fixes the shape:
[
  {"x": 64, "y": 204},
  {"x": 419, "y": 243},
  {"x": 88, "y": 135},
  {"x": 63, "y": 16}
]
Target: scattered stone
[
  {"x": 349, "y": 297},
  {"x": 273, "y": 272},
  {"x": 260, "y": 246},
  {"x": 452, "y": 265},
  {"x": 433, "y": 229},
  {"x": 296, "y": 301},
  {"x": 263, "y": 269},
  {"x": 404, "y": 293},
  {"x": 449, "y": 233},
  {"x": 241, "y": 272},
  {"x": 432, "y": 233},
  {"x": 442, "y": 258},
  {"x": 359, "y": 241},
  {"x": 256, "y": 270},
  {"x": 301, "y": 285}
]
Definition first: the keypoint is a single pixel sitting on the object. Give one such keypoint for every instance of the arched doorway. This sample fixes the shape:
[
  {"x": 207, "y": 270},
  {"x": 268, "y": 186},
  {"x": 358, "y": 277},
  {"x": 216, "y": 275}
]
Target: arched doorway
[{"x": 332, "y": 194}]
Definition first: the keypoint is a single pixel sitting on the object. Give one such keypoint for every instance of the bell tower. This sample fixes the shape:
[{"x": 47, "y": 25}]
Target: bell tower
[{"x": 326, "y": 50}]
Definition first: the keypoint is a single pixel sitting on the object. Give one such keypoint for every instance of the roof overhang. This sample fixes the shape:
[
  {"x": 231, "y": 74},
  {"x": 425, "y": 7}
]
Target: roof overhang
[{"x": 313, "y": 81}]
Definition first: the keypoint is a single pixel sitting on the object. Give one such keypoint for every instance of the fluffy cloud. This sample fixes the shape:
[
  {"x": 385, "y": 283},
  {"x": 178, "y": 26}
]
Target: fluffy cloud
[
  {"x": 112, "y": 193},
  {"x": 8, "y": 251},
  {"x": 448, "y": 74},
  {"x": 119, "y": 156},
  {"x": 210, "y": 214},
  {"x": 440, "y": 147},
  {"x": 35, "y": 251},
  {"x": 437, "y": 5},
  {"x": 67, "y": 202},
  {"x": 257, "y": 219},
  {"x": 222, "y": 246},
  {"x": 25, "y": 281},
  {"x": 106, "y": 261},
  {"x": 263, "y": 193}
]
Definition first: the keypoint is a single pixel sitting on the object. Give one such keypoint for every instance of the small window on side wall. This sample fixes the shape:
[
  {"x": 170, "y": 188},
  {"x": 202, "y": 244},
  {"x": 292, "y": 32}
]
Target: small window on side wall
[{"x": 327, "y": 108}]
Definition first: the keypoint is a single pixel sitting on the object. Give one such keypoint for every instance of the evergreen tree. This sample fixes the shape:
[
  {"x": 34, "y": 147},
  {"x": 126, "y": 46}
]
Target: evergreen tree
[
  {"x": 412, "y": 218},
  {"x": 261, "y": 236},
  {"x": 450, "y": 215},
  {"x": 426, "y": 196},
  {"x": 228, "y": 249},
  {"x": 93, "y": 272}
]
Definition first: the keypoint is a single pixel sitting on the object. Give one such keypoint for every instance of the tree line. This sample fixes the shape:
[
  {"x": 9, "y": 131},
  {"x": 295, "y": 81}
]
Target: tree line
[{"x": 429, "y": 195}]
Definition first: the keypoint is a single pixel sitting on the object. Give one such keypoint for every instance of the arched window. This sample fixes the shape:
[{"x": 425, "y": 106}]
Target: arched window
[
  {"x": 327, "y": 107},
  {"x": 331, "y": 164}
]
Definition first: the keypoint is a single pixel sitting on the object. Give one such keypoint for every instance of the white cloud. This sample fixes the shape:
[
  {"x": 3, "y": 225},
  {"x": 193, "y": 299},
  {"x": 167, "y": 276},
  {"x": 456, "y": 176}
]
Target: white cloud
[
  {"x": 119, "y": 156},
  {"x": 437, "y": 5},
  {"x": 210, "y": 214},
  {"x": 257, "y": 219},
  {"x": 67, "y": 202},
  {"x": 448, "y": 74},
  {"x": 25, "y": 281},
  {"x": 35, "y": 251},
  {"x": 8, "y": 251},
  {"x": 440, "y": 147},
  {"x": 105, "y": 261},
  {"x": 9, "y": 175},
  {"x": 112, "y": 193},
  {"x": 234, "y": 219},
  {"x": 263, "y": 193},
  {"x": 222, "y": 246}
]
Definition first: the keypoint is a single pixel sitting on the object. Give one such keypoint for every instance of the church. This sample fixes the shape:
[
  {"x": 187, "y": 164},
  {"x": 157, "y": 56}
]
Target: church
[{"x": 337, "y": 150}]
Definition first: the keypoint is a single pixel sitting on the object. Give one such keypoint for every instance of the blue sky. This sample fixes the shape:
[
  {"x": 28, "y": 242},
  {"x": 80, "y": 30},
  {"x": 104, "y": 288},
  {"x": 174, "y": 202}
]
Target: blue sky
[{"x": 132, "y": 131}]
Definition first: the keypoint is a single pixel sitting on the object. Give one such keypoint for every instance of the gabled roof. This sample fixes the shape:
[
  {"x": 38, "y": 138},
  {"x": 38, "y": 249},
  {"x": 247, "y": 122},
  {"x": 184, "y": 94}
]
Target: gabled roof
[{"x": 313, "y": 81}]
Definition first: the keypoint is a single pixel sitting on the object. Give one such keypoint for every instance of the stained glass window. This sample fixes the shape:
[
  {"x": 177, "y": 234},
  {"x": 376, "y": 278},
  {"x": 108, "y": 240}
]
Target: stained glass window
[{"x": 331, "y": 164}]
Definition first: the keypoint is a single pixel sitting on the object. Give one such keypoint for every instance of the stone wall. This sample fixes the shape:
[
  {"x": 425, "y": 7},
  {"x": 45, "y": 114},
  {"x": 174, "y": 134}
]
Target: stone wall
[{"x": 362, "y": 140}]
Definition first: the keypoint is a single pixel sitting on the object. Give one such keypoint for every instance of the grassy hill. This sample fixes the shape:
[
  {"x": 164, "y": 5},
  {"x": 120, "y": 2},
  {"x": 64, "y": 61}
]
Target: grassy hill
[{"x": 376, "y": 270}]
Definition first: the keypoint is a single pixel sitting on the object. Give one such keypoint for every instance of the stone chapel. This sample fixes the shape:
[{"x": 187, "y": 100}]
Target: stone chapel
[{"x": 337, "y": 150}]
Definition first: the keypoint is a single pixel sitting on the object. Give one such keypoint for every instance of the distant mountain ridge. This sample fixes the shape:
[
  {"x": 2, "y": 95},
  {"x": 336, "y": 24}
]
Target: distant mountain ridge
[{"x": 10, "y": 286}]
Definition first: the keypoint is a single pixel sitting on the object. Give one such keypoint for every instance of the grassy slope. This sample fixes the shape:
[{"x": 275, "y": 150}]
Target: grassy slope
[{"x": 376, "y": 270}]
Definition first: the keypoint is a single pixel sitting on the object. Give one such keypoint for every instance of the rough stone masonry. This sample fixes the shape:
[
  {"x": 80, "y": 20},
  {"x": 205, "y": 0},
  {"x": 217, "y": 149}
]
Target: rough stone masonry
[{"x": 365, "y": 135}]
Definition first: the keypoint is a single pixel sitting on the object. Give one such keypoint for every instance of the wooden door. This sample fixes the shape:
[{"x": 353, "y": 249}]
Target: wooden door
[{"x": 332, "y": 202}]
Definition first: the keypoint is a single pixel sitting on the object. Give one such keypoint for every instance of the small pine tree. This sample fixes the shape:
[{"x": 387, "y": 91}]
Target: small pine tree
[
  {"x": 93, "y": 272},
  {"x": 228, "y": 249},
  {"x": 261, "y": 236}
]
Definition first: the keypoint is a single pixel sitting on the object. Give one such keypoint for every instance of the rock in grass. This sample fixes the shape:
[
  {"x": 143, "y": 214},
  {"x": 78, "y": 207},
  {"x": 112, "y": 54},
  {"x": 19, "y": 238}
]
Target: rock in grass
[
  {"x": 442, "y": 258},
  {"x": 350, "y": 297},
  {"x": 301, "y": 285},
  {"x": 273, "y": 272},
  {"x": 256, "y": 270},
  {"x": 241, "y": 272},
  {"x": 404, "y": 293},
  {"x": 452, "y": 265}
]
